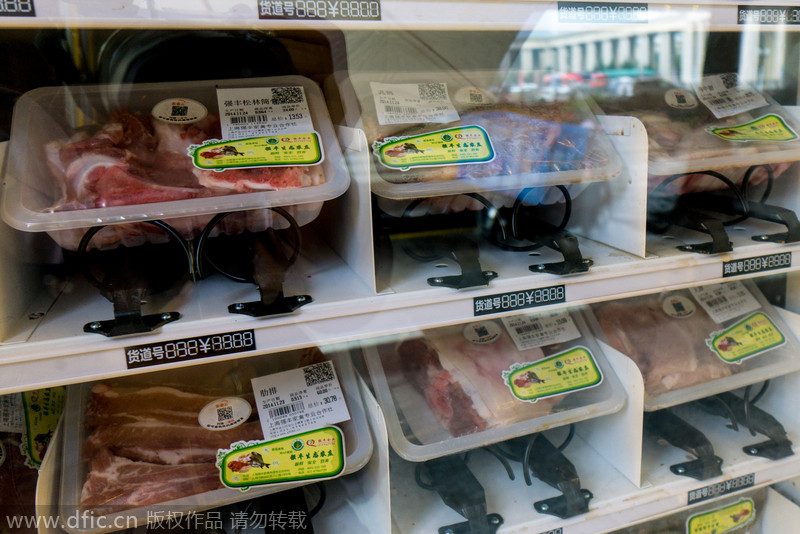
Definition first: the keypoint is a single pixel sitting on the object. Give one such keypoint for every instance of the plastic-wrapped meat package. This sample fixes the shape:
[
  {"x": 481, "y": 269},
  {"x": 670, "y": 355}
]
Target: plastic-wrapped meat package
[
  {"x": 670, "y": 352},
  {"x": 17, "y": 485},
  {"x": 144, "y": 444},
  {"x": 134, "y": 159},
  {"x": 681, "y": 140},
  {"x": 462, "y": 381}
]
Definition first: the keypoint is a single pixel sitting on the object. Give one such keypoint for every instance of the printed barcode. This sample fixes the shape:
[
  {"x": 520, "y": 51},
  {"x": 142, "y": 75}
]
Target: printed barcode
[
  {"x": 318, "y": 373},
  {"x": 432, "y": 91},
  {"x": 528, "y": 328},
  {"x": 400, "y": 109},
  {"x": 287, "y": 95},
  {"x": 249, "y": 119},
  {"x": 286, "y": 410},
  {"x": 721, "y": 101},
  {"x": 225, "y": 413},
  {"x": 476, "y": 98},
  {"x": 716, "y": 302}
]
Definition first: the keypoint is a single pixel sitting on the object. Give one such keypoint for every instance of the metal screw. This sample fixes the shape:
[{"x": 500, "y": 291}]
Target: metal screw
[
  {"x": 544, "y": 507},
  {"x": 165, "y": 316},
  {"x": 301, "y": 298},
  {"x": 36, "y": 315},
  {"x": 95, "y": 325},
  {"x": 681, "y": 469},
  {"x": 752, "y": 450},
  {"x": 494, "y": 520},
  {"x": 238, "y": 306},
  {"x": 437, "y": 280},
  {"x": 449, "y": 531}
]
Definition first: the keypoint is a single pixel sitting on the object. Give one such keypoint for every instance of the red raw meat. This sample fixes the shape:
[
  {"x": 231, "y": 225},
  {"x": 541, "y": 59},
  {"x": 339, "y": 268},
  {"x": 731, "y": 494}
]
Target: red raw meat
[
  {"x": 165, "y": 443},
  {"x": 115, "y": 483},
  {"x": 462, "y": 382},
  {"x": 114, "y": 406}
]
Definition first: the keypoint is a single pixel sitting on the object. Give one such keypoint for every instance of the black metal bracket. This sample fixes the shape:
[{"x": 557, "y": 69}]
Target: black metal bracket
[
  {"x": 465, "y": 252},
  {"x": 130, "y": 323},
  {"x": 681, "y": 434},
  {"x": 493, "y": 522},
  {"x": 458, "y": 488},
  {"x": 778, "y": 215},
  {"x": 562, "y": 506},
  {"x": 280, "y": 306},
  {"x": 745, "y": 413},
  {"x": 574, "y": 262}
]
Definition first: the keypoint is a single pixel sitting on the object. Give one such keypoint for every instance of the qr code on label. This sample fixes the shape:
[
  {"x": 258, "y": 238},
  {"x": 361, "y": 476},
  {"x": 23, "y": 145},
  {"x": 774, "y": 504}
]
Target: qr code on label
[
  {"x": 433, "y": 91},
  {"x": 224, "y": 414},
  {"x": 476, "y": 98},
  {"x": 287, "y": 95},
  {"x": 730, "y": 80},
  {"x": 318, "y": 373}
]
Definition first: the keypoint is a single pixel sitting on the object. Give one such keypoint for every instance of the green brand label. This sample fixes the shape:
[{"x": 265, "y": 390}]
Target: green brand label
[
  {"x": 722, "y": 520},
  {"x": 42, "y": 409},
  {"x": 454, "y": 146},
  {"x": 278, "y": 150},
  {"x": 766, "y": 128},
  {"x": 568, "y": 371},
  {"x": 312, "y": 455},
  {"x": 753, "y": 335}
]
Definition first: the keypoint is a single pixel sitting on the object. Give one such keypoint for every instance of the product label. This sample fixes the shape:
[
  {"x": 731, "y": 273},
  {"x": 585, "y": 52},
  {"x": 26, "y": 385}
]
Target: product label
[
  {"x": 263, "y": 111},
  {"x": 722, "y": 520},
  {"x": 568, "y": 371},
  {"x": 756, "y": 264},
  {"x": 603, "y": 12},
  {"x": 454, "y": 146},
  {"x": 482, "y": 333},
  {"x": 767, "y": 128},
  {"x": 412, "y": 102},
  {"x": 179, "y": 111},
  {"x": 314, "y": 455},
  {"x": 768, "y": 15},
  {"x": 11, "y": 414},
  {"x": 42, "y": 409},
  {"x": 725, "y": 301},
  {"x": 519, "y": 300},
  {"x": 678, "y": 306},
  {"x": 541, "y": 329},
  {"x": 190, "y": 348},
  {"x": 224, "y": 413},
  {"x": 299, "y": 399},
  {"x": 17, "y": 8},
  {"x": 319, "y": 10},
  {"x": 276, "y": 151},
  {"x": 751, "y": 336},
  {"x": 725, "y": 95},
  {"x": 721, "y": 488},
  {"x": 680, "y": 99}
]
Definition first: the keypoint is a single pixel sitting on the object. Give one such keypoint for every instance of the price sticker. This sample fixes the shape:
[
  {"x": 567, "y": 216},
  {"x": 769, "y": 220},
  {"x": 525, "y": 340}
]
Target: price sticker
[
  {"x": 17, "y": 8},
  {"x": 299, "y": 399}
]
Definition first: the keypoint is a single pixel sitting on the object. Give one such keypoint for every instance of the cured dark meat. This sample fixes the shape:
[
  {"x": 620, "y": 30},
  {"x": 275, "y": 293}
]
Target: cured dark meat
[
  {"x": 462, "y": 382},
  {"x": 17, "y": 486},
  {"x": 115, "y": 483},
  {"x": 670, "y": 352}
]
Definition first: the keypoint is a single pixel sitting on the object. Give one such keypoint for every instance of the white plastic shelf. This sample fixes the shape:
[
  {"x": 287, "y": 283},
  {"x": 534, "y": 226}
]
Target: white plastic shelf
[{"x": 394, "y": 14}]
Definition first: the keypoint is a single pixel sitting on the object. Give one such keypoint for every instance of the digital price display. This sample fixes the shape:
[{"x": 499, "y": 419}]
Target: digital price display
[
  {"x": 518, "y": 300},
  {"x": 604, "y": 12},
  {"x": 191, "y": 348},
  {"x": 756, "y": 264},
  {"x": 319, "y": 9},
  {"x": 768, "y": 15},
  {"x": 17, "y": 8}
]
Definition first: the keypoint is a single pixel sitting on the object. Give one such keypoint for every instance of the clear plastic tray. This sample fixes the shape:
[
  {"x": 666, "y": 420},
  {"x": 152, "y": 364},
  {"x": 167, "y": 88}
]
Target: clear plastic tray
[
  {"x": 33, "y": 198},
  {"x": 671, "y": 351},
  {"x": 417, "y": 434},
  {"x": 680, "y": 141},
  {"x": 574, "y": 149},
  {"x": 231, "y": 378}
]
